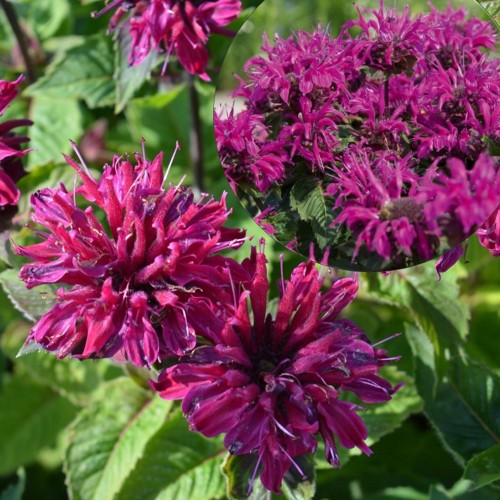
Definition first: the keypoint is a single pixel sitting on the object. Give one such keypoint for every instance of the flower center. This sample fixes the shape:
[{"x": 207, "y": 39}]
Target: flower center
[{"x": 401, "y": 207}]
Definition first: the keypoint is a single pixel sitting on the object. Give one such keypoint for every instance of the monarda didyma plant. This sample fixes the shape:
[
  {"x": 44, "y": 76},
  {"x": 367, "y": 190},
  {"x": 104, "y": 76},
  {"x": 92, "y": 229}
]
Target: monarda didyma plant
[
  {"x": 376, "y": 147},
  {"x": 142, "y": 279}
]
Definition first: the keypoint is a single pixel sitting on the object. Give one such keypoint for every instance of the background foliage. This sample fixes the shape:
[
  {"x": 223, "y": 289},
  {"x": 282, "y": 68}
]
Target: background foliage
[{"x": 92, "y": 430}]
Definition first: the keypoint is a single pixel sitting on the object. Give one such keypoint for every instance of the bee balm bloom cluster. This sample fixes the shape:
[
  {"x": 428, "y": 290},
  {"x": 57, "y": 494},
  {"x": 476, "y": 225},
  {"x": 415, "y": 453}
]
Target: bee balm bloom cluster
[
  {"x": 143, "y": 282},
  {"x": 393, "y": 125}
]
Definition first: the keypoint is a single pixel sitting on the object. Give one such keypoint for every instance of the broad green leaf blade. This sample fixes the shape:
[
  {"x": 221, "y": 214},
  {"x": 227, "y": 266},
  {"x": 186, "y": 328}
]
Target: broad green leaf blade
[
  {"x": 31, "y": 420},
  {"x": 239, "y": 471},
  {"x": 129, "y": 78},
  {"x": 48, "y": 16},
  {"x": 109, "y": 437},
  {"x": 484, "y": 468},
  {"x": 464, "y": 406},
  {"x": 56, "y": 121},
  {"x": 177, "y": 463},
  {"x": 435, "y": 306},
  {"x": 243, "y": 481},
  {"x": 300, "y": 485},
  {"x": 308, "y": 199},
  {"x": 492, "y": 7},
  {"x": 83, "y": 72},
  {"x": 32, "y": 303},
  {"x": 74, "y": 379},
  {"x": 15, "y": 491}
]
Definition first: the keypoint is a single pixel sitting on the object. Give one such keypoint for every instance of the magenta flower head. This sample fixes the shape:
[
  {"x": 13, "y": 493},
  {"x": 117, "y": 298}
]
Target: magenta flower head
[
  {"x": 273, "y": 383},
  {"x": 391, "y": 41},
  {"x": 179, "y": 27},
  {"x": 11, "y": 168},
  {"x": 146, "y": 287},
  {"x": 246, "y": 154}
]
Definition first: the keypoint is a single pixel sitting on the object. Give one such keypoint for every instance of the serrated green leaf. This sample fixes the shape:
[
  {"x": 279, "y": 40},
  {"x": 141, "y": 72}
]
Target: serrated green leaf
[
  {"x": 55, "y": 122},
  {"x": 31, "y": 420},
  {"x": 464, "y": 405},
  {"x": 32, "y": 303},
  {"x": 435, "y": 306},
  {"x": 177, "y": 463},
  {"x": 308, "y": 199},
  {"x": 109, "y": 437},
  {"x": 129, "y": 78},
  {"x": 83, "y": 72},
  {"x": 15, "y": 491},
  {"x": 484, "y": 468}
]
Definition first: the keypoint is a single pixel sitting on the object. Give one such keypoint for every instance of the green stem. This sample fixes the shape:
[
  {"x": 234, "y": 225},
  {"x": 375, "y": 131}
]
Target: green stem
[
  {"x": 11, "y": 16},
  {"x": 196, "y": 139}
]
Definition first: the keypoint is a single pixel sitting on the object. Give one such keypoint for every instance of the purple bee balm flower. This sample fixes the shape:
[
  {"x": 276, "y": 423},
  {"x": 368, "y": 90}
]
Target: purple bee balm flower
[
  {"x": 458, "y": 200},
  {"x": 141, "y": 289},
  {"x": 11, "y": 168},
  {"x": 294, "y": 67},
  {"x": 459, "y": 106},
  {"x": 179, "y": 27},
  {"x": 312, "y": 133},
  {"x": 489, "y": 233},
  {"x": 272, "y": 384},
  {"x": 378, "y": 206},
  {"x": 246, "y": 154},
  {"x": 390, "y": 41},
  {"x": 454, "y": 37}
]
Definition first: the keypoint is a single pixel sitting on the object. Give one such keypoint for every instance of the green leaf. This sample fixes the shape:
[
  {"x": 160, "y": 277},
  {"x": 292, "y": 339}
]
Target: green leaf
[
  {"x": 492, "y": 7},
  {"x": 435, "y": 306},
  {"x": 109, "y": 437},
  {"x": 55, "y": 122},
  {"x": 129, "y": 78},
  {"x": 83, "y": 72},
  {"x": 177, "y": 463},
  {"x": 47, "y": 16},
  {"x": 308, "y": 199},
  {"x": 484, "y": 468},
  {"x": 32, "y": 303},
  {"x": 244, "y": 483},
  {"x": 74, "y": 379},
  {"x": 15, "y": 491},
  {"x": 31, "y": 420},
  {"x": 239, "y": 471},
  {"x": 384, "y": 418},
  {"x": 297, "y": 486},
  {"x": 162, "y": 120},
  {"x": 464, "y": 405}
]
